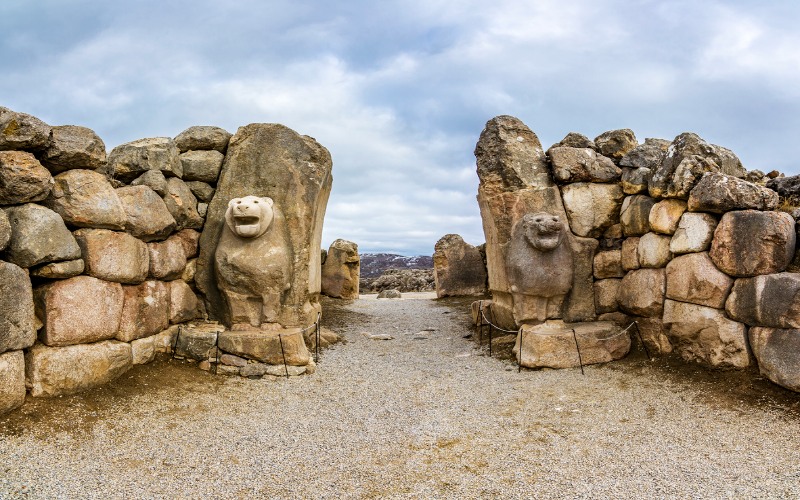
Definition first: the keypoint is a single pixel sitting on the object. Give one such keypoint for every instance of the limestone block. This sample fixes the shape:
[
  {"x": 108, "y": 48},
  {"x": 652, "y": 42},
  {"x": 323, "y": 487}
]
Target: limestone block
[
  {"x": 85, "y": 198},
  {"x": 579, "y": 304},
  {"x": 143, "y": 350},
  {"x": 582, "y": 165},
  {"x": 654, "y": 335},
  {"x": 605, "y": 295},
  {"x": 183, "y": 303},
  {"x": 654, "y": 250},
  {"x": 167, "y": 258},
  {"x": 552, "y": 345},
  {"x": 59, "y": 270},
  {"x": 182, "y": 204},
  {"x": 326, "y": 338},
  {"x": 616, "y": 143},
  {"x": 189, "y": 271},
  {"x": 694, "y": 233},
  {"x": 694, "y": 278},
  {"x": 146, "y": 214},
  {"x": 592, "y": 208},
  {"x": 145, "y": 310},
  {"x": 17, "y": 322},
  {"x": 202, "y": 191},
  {"x": 154, "y": 179},
  {"x": 342, "y": 268},
  {"x": 608, "y": 264},
  {"x": 771, "y": 300},
  {"x": 128, "y": 161},
  {"x": 73, "y": 147},
  {"x": 21, "y": 131},
  {"x": 38, "y": 235},
  {"x": 231, "y": 360},
  {"x": 5, "y": 230},
  {"x": 705, "y": 335},
  {"x": 203, "y": 137},
  {"x": 113, "y": 256},
  {"x": 265, "y": 346},
  {"x": 458, "y": 268},
  {"x": 198, "y": 343},
  {"x": 56, "y": 371},
  {"x": 78, "y": 310},
  {"x": 665, "y": 215},
  {"x": 648, "y": 155},
  {"x": 749, "y": 243},
  {"x": 22, "y": 178},
  {"x": 778, "y": 355},
  {"x": 12, "y": 381},
  {"x": 165, "y": 340},
  {"x": 575, "y": 140},
  {"x": 635, "y": 180},
  {"x": 635, "y": 214},
  {"x": 720, "y": 193},
  {"x": 201, "y": 166},
  {"x": 630, "y": 254},
  {"x": 641, "y": 292},
  {"x": 190, "y": 239}
]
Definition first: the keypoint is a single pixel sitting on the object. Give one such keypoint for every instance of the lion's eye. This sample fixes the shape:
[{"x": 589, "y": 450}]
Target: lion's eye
[
  {"x": 238, "y": 202},
  {"x": 256, "y": 202}
]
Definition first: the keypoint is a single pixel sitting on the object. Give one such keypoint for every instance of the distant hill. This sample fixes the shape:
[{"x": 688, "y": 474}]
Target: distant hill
[{"x": 375, "y": 264}]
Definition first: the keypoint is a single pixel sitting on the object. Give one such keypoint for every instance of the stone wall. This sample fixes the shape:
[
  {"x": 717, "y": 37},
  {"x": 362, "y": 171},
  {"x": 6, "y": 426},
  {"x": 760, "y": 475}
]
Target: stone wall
[
  {"x": 676, "y": 235},
  {"x": 99, "y": 251}
]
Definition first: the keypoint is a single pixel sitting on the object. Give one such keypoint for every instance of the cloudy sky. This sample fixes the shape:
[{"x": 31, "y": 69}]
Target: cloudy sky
[{"x": 399, "y": 91}]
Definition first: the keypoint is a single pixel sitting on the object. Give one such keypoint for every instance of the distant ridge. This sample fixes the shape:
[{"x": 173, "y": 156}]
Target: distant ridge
[{"x": 375, "y": 264}]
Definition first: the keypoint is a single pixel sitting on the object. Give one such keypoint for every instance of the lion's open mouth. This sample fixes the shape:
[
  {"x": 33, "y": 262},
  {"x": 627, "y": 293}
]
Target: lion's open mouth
[{"x": 247, "y": 225}]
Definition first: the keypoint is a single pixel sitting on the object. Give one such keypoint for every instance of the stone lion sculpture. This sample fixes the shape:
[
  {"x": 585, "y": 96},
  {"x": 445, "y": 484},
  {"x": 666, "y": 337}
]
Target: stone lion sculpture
[
  {"x": 253, "y": 263},
  {"x": 539, "y": 267}
]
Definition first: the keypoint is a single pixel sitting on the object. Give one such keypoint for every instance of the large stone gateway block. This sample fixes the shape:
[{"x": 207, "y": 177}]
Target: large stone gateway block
[
  {"x": 16, "y": 309},
  {"x": 772, "y": 300},
  {"x": 749, "y": 242},
  {"x": 552, "y": 345},
  {"x": 341, "y": 270},
  {"x": 268, "y": 161},
  {"x": 38, "y": 235},
  {"x": 778, "y": 354},
  {"x": 271, "y": 347}
]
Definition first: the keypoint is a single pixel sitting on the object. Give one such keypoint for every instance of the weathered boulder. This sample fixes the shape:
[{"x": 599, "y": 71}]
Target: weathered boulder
[
  {"x": 56, "y": 371},
  {"x": 183, "y": 303},
  {"x": 145, "y": 310},
  {"x": 552, "y": 344},
  {"x": 270, "y": 161},
  {"x": 608, "y": 264},
  {"x": 72, "y": 147},
  {"x": 59, "y": 270},
  {"x": 654, "y": 250},
  {"x": 17, "y": 322},
  {"x": 22, "y": 178},
  {"x": 616, "y": 143},
  {"x": 128, "y": 161},
  {"x": 630, "y": 254},
  {"x": 182, "y": 204},
  {"x": 154, "y": 179},
  {"x": 694, "y": 278},
  {"x": 605, "y": 295},
  {"x": 635, "y": 180},
  {"x": 648, "y": 155},
  {"x": 641, "y": 292},
  {"x": 341, "y": 270},
  {"x": 190, "y": 240},
  {"x": 458, "y": 267},
  {"x": 78, "y": 310},
  {"x": 705, "y": 335},
  {"x": 189, "y": 271},
  {"x": 694, "y": 233},
  {"x": 720, "y": 193},
  {"x": 390, "y": 294},
  {"x": 5, "y": 230},
  {"x": 197, "y": 342},
  {"x": 771, "y": 300},
  {"x": 203, "y": 137},
  {"x": 21, "y": 131},
  {"x": 276, "y": 347},
  {"x": 592, "y": 208},
  {"x": 201, "y": 165},
  {"x": 143, "y": 350},
  {"x": 113, "y": 256},
  {"x": 38, "y": 235},
  {"x": 635, "y": 214},
  {"x": 654, "y": 335},
  {"x": 582, "y": 165},
  {"x": 202, "y": 191},
  {"x": 167, "y": 258},
  {"x": 12, "y": 381},
  {"x": 575, "y": 140},
  {"x": 778, "y": 355},
  {"x": 665, "y": 215},
  {"x": 687, "y": 159},
  {"x": 147, "y": 216},
  {"x": 787, "y": 188},
  {"x": 749, "y": 242},
  {"x": 85, "y": 198}
]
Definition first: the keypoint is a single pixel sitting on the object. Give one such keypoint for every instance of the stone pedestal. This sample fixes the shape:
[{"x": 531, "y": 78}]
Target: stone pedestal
[{"x": 552, "y": 344}]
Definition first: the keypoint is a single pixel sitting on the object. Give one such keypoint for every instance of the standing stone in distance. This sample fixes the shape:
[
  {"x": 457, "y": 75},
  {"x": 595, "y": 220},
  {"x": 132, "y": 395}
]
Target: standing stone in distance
[
  {"x": 458, "y": 267},
  {"x": 694, "y": 233},
  {"x": 145, "y": 310},
  {"x": 12, "y": 381},
  {"x": 78, "y": 310},
  {"x": 201, "y": 165},
  {"x": 635, "y": 214},
  {"x": 17, "y": 330},
  {"x": 84, "y": 198},
  {"x": 203, "y": 137},
  {"x": 616, "y": 143},
  {"x": 771, "y": 300},
  {"x": 20, "y": 131},
  {"x": 73, "y": 147},
  {"x": 38, "y": 235},
  {"x": 654, "y": 250},
  {"x": 147, "y": 217},
  {"x": 113, "y": 256},
  {"x": 582, "y": 165},
  {"x": 592, "y": 208},
  {"x": 720, "y": 193},
  {"x": 341, "y": 270},
  {"x": 749, "y": 242},
  {"x": 778, "y": 355},
  {"x": 642, "y": 292},
  {"x": 665, "y": 216},
  {"x": 128, "y": 161},
  {"x": 22, "y": 178},
  {"x": 694, "y": 278}
]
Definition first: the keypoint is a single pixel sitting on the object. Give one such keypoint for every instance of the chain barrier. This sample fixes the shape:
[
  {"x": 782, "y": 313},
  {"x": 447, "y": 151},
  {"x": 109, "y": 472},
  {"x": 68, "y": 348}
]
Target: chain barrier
[{"x": 482, "y": 321}]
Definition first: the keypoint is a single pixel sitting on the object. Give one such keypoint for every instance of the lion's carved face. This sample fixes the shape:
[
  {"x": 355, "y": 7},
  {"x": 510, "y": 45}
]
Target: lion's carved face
[
  {"x": 249, "y": 217},
  {"x": 543, "y": 231}
]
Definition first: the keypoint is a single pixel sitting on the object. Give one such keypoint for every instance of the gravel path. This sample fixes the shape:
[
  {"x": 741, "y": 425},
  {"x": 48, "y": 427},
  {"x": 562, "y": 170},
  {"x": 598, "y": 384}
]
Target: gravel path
[{"x": 425, "y": 415}]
